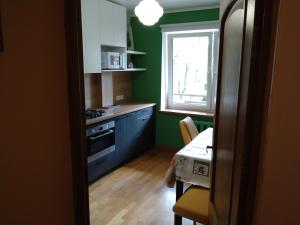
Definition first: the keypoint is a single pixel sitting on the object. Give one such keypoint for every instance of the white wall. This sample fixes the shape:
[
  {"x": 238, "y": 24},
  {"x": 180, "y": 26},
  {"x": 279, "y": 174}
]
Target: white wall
[
  {"x": 35, "y": 164},
  {"x": 278, "y": 196}
]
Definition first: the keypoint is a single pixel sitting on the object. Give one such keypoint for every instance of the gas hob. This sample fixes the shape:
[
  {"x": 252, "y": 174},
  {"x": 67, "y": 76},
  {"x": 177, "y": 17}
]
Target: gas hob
[{"x": 95, "y": 113}]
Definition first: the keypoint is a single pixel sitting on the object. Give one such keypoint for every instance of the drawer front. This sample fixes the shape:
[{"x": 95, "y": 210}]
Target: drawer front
[
  {"x": 146, "y": 112},
  {"x": 100, "y": 167}
]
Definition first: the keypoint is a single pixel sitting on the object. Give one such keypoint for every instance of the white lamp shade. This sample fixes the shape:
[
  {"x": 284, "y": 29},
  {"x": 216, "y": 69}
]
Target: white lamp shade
[{"x": 148, "y": 12}]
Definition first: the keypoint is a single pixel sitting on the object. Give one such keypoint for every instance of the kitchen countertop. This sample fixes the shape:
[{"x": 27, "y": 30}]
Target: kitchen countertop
[{"x": 121, "y": 110}]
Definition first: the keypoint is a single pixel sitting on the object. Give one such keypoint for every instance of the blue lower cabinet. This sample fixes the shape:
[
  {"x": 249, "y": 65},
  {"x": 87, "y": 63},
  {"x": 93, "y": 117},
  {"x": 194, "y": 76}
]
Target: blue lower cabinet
[
  {"x": 134, "y": 134},
  {"x": 100, "y": 165},
  {"x": 146, "y": 133},
  {"x": 123, "y": 140}
]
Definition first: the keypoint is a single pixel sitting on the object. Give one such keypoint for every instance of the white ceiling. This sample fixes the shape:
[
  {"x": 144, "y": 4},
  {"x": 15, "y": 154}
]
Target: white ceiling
[{"x": 171, "y": 4}]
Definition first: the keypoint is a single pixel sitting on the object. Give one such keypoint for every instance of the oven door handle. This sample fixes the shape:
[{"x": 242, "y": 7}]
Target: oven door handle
[{"x": 101, "y": 135}]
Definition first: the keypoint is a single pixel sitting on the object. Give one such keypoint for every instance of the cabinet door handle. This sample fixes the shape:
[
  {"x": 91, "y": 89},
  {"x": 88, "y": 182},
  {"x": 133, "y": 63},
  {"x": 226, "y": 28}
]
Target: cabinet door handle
[{"x": 101, "y": 135}]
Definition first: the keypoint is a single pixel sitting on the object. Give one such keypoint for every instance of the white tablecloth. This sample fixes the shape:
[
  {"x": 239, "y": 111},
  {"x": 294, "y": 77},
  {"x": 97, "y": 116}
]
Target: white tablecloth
[{"x": 193, "y": 161}]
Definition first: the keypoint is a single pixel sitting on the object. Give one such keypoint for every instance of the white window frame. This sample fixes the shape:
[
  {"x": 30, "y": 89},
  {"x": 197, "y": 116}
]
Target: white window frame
[{"x": 209, "y": 29}]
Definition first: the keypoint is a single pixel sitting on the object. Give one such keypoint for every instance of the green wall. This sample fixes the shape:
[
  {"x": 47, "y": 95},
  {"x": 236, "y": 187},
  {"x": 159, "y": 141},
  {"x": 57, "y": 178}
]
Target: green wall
[{"x": 146, "y": 85}]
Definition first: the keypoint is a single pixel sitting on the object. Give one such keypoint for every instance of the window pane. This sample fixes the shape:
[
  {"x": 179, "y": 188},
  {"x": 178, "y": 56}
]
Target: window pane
[{"x": 190, "y": 67}]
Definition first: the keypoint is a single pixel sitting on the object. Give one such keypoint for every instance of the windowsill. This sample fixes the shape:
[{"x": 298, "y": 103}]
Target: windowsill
[{"x": 186, "y": 112}]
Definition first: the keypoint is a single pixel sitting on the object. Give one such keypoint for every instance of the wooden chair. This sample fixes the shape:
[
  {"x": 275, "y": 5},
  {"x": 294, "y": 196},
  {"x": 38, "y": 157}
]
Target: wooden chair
[
  {"x": 188, "y": 130},
  {"x": 193, "y": 205}
]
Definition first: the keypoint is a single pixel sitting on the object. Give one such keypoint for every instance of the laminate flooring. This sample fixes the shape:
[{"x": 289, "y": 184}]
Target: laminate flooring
[{"x": 135, "y": 193}]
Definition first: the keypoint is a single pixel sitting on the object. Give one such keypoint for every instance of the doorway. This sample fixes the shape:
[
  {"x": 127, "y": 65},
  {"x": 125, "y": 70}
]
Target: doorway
[{"x": 76, "y": 93}]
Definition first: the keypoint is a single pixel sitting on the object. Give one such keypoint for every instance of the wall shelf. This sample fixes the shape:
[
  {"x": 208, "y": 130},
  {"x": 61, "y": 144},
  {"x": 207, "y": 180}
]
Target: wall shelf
[
  {"x": 136, "y": 69},
  {"x": 127, "y": 70},
  {"x": 131, "y": 57},
  {"x": 130, "y": 52}
]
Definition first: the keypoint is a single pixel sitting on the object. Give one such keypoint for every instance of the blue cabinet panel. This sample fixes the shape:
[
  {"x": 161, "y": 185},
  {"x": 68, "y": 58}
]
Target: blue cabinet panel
[{"x": 134, "y": 134}]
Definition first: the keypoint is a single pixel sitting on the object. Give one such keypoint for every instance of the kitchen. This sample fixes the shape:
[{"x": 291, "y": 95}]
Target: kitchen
[
  {"x": 122, "y": 63},
  {"x": 44, "y": 176}
]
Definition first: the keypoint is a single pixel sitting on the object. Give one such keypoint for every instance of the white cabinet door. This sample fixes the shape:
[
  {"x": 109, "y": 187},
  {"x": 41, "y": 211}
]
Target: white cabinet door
[
  {"x": 106, "y": 22},
  {"x": 91, "y": 36},
  {"x": 113, "y": 24},
  {"x": 120, "y": 26}
]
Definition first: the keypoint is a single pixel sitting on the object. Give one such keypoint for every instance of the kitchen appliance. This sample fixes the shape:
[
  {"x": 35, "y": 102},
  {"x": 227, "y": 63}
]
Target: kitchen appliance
[
  {"x": 111, "y": 60},
  {"x": 101, "y": 138},
  {"x": 100, "y": 148},
  {"x": 95, "y": 113}
]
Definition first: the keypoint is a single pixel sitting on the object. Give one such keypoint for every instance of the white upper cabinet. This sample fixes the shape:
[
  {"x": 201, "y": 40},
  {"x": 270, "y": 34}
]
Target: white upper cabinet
[
  {"x": 113, "y": 24},
  {"x": 91, "y": 35},
  {"x": 103, "y": 23}
]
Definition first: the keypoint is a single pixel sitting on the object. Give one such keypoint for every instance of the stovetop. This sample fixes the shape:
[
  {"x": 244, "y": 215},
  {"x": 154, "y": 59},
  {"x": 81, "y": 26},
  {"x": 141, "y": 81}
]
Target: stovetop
[{"x": 95, "y": 113}]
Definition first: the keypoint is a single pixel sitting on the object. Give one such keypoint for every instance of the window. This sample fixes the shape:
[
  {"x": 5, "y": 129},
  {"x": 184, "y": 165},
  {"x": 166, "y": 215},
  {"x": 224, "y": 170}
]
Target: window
[{"x": 189, "y": 65}]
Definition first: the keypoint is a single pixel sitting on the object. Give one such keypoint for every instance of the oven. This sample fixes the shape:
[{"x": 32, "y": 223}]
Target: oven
[
  {"x": 101, "y": 148},
  {"x": 100, "y": 137}
]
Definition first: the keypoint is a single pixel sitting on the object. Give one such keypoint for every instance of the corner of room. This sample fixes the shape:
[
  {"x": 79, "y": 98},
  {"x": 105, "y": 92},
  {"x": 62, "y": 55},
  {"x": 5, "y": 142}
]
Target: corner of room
[{"x": 146, "y": 85}]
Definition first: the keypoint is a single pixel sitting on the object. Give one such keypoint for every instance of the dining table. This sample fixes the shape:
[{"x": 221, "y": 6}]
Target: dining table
[{"x": 192, "y": 164}]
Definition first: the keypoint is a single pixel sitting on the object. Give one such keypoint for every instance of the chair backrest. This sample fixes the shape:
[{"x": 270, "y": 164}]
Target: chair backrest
[{"x": 188, "y": 130}]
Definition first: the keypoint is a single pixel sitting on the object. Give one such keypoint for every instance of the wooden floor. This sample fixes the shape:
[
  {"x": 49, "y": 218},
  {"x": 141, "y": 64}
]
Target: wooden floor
[{"x": 135, "y": 194}]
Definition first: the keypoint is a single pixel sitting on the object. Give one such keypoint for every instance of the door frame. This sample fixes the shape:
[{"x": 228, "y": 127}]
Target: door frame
[
  {"x": 73, "y": 38},
  {"x": 253, "y": 100}
]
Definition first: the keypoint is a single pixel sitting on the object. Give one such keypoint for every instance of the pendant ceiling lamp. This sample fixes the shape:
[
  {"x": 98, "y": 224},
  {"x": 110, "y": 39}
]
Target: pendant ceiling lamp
[{"x": 148, "y": 12}]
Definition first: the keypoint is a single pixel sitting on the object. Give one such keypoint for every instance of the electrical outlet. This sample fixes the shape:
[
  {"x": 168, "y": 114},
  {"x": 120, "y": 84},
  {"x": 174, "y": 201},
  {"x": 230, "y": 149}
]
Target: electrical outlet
[{"x": 119, "y": 97}]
